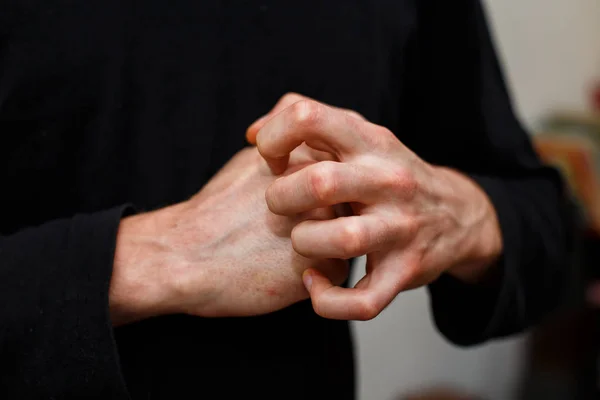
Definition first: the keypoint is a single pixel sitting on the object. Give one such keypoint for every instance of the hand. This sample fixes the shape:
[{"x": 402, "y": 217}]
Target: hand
[
  {"x": 413, "y": 220},
  {"x": 221, "y": 253}
]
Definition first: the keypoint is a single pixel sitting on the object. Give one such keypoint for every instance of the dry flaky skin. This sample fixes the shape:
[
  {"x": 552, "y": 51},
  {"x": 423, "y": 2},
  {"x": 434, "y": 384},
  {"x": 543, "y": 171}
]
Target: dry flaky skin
[
  {"x": 221, "y": 253},
  {"x": 258, "y": 270}
]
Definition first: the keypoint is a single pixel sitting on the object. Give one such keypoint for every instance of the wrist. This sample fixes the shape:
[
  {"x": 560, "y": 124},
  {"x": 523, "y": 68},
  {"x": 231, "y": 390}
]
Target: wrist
[
  {"x": 480, "y": 241},
  {"x": 139, "y": 286}
]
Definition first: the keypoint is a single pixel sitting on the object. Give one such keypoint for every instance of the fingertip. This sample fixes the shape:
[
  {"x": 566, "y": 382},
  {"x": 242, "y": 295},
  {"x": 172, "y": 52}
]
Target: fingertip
[
  {"x": 307, "y": 279},
  {"x": 272, "y": 198},
  {"x": 254, "y": 128},
  {"x": 319, "y": 282},
  {"x": 278, "y": 165},
  {"x": 251, "y": 136}
]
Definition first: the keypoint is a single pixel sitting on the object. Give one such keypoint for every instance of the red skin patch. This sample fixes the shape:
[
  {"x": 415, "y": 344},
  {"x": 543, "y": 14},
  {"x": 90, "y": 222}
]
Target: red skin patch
[{"x": 272, "y": 292}]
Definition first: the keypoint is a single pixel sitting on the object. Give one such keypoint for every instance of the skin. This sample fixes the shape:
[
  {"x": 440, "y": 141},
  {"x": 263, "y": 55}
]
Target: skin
[
  {"x": 277, "y": 223},
  {"x": 413, "y": 220},
  {"x": 220, "y": 253}
]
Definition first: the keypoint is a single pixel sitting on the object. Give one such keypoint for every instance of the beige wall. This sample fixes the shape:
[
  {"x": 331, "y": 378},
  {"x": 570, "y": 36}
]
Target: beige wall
[{"x": 551, "y": 51}]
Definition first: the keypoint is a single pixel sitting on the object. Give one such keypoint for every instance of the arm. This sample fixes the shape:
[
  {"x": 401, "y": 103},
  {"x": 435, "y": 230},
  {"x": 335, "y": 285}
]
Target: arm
[
  {"x": 56, "y": 333},
  {"x": 67, "y": 282},
  {"x": 461, "y": 104},
  {"x": 457, "y": 200}
]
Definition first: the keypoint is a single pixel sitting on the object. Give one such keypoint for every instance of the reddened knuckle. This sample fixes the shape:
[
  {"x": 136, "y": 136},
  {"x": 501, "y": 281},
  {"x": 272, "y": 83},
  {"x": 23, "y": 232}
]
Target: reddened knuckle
[
  {"x": 306, "y": 112},
  {"x": 402, "y": 180},
  {"x": 379, "y": 138},
  {"x": 322, "y": 181},
  {"x": 387, "y": 135},
  {"x": 354, "y": 239},
  {"x": 382, "y": 131},
  {"x": 291, "y": 97}
]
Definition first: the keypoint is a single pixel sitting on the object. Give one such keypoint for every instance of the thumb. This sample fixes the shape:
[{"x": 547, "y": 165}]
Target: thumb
[
  {"x": 317, "y": 286},
  {"x": 315, "y": 282}
]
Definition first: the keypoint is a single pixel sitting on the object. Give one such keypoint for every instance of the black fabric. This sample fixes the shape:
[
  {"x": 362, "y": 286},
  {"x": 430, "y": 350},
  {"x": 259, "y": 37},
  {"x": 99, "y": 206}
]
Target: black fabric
[{"x": 115, "y": 102}]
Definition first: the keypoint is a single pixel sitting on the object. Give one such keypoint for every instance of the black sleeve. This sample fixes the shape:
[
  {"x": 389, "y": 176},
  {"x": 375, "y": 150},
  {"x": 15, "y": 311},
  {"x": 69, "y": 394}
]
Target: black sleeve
[
  {"x": 56, "y": 337},
  {"x": 462, "y": 108}
]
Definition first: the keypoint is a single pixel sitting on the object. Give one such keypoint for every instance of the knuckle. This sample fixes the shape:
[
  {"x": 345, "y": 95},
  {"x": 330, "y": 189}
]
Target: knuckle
[
  {"x": 402, "y": 180},
  {"x": 386, "y": 134},
  {"x": 380, "y": 138},
  {"x": 355, "y": 114},
  {"x": 306, "y": 112},
  {"x": 354, "y": 239},
  {"x": 410, "y": 227},
  {"x": 291, "y": 97},
  {"x": 322, "y": 181},
  {"x": 366, "y": 309},
  {"x": 412, "y": 273}
]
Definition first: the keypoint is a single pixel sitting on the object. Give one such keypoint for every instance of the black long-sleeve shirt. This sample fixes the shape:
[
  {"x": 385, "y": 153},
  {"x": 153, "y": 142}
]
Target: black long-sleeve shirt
[{"x": 112, "y": 104}]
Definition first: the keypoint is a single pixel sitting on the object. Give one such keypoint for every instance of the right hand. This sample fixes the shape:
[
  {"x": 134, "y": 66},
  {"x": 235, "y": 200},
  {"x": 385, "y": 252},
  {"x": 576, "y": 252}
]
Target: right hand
[{"x": 221, "y": 253}]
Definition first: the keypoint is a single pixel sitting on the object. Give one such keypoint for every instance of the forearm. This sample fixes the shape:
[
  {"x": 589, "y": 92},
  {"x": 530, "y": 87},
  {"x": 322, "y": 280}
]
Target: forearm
[
  {"x": 481, "y": 244},
  {"x": 143, "y": 270},
  {"x": 134, "y": 289},
  {"x": 531, "y": 274}
]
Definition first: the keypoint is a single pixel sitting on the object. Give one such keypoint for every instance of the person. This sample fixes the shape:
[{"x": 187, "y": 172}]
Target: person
[{"x": 150, "y": 250}]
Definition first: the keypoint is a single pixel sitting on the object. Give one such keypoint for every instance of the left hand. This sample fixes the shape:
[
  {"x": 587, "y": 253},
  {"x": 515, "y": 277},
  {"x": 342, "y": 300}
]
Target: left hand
[{"x": 413, "y": 220}]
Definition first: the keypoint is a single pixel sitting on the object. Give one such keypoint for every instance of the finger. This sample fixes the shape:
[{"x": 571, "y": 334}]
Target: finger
[
  {"x": 324, "y": 184},
  {"x": 253, "y": 129},
  {"x": 342, "y": 237},
  {"x": 336, "y": 271},
  {"x": 308, "y": 155},
  {"x": 321, "y": 127},
  {"x": 285, "y": 101},
  {"x": 361, "y": 304},
  {"x": 364, "y": 281},
  {"x": 256, "y": 126}
]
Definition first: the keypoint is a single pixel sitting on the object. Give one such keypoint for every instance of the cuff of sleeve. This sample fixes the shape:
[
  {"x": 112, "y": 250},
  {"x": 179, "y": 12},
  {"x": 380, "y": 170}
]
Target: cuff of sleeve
[
  {"x": 56, "y": 327},
  {"x": 470, "y": 314},
  {"x": 92, "y": 242}
]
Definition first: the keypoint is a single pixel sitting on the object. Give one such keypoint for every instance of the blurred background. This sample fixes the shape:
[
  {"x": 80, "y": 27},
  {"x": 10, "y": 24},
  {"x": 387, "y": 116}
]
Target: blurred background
[{"x": 551, "y": 55}]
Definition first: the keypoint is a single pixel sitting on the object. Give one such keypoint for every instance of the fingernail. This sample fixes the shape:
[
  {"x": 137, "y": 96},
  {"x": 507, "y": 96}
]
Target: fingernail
[{"x": 307, "y": 279}]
